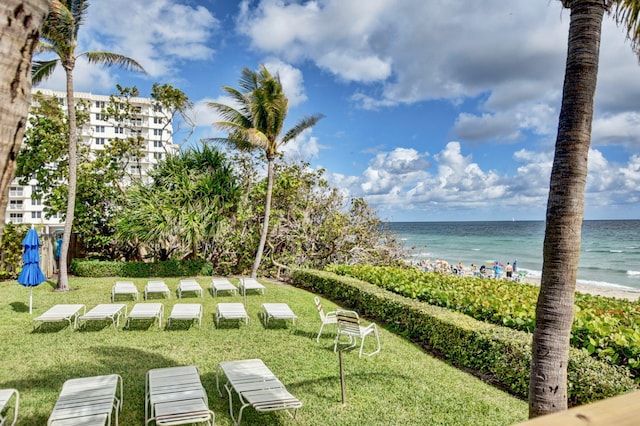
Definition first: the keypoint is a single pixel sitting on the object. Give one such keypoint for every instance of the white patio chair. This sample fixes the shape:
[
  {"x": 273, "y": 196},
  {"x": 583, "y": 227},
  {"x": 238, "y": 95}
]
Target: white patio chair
[
  {"x": 222, "y": 284},
  {"x": 251, "y": 284},
  {"x": 145, "y": 311},
  {"x": 185, "y": 312},
  {"x": 88, "y": 401},
  {"x": 157, "y": 286},
  {"x": 189, "y": 285},
  {"x": 124, "y": 288},
  {"x": 349, "y": 325},
  {"x": 328, "y": 318},
  {"x": 175, "y": 396},
  {"x": 5, "y": 397},
  {"x": 231, "y": 311},
  {"x": 104, "y": 312},
  {"x": 60, "y": 313},
  {"x": 277, "y": 311}
]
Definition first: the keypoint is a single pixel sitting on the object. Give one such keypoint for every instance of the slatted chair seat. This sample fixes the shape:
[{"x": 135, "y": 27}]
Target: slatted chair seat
[
  {"x": 145, "y": 311},
  {"x": 6, "y": 395},
  {"x": 189, "y": 286},
  {"x": 175, "y": 396},
  {"x": 185, "y": 312},
  {"x": 61, "y": 313},
  {"x": 251, "y": 284},
  {"x": 231, "y": 311},
  {"x": 124, "y": 288},
  {"x": 256, "y": 386},
  {"x": 155, "y": 287},
  {"x": 349, "y": 326},
  {"x": 105, "y": 312},
  {"x": 277, "y": 311},
  {"x": 222, "y": 284}
]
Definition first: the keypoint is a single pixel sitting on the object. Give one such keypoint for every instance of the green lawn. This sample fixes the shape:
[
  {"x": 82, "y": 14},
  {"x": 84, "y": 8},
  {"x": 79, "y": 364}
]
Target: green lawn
[{"x": 402, "y": 385}]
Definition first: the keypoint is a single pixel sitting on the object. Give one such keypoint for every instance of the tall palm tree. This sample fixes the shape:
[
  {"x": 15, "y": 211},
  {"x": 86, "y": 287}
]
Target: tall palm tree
[
  {"x": 60, "y": 36},
  {"x": 19, "y": 31},
  {"x": 565, "y": 207},
  {"x": 257, "y": 123}
]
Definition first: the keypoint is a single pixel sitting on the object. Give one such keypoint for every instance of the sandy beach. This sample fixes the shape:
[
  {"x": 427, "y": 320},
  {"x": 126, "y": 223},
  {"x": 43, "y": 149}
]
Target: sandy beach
[{"x": 597, "y": 290}]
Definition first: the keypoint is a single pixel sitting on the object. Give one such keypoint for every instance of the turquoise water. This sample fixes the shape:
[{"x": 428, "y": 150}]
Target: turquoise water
[{"x": 610, "y": 252}]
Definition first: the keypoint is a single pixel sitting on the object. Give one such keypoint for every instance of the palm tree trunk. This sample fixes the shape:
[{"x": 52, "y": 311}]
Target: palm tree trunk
[
  {"x": 565, "y": 208},
  {"x": 265, "y": 224},
  {"x": 63, "y": 279},
  {"x": 19, "y": 33}
]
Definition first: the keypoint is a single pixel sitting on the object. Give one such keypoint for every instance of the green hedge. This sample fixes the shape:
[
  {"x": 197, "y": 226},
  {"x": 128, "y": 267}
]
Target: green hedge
[
  {"x": 500, "y": 352},
  {"x": 169, "y": 268}
]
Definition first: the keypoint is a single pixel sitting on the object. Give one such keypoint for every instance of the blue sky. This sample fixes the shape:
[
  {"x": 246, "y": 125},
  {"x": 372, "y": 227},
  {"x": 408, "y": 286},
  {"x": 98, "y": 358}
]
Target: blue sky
[{"x": 435, "y": 110}]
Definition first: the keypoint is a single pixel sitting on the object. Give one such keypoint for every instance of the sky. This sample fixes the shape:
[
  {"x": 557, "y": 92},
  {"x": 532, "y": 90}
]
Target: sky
[{"x": 434, "y": 110}]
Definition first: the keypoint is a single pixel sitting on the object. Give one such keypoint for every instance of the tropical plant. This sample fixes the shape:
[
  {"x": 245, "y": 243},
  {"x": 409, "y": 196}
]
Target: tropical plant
[
  {"x": 59, "y": 36},
  {"x": 256, "y": 123},
  {"x": 19, "y": 31},
  {"x": 565, "y": 207}
]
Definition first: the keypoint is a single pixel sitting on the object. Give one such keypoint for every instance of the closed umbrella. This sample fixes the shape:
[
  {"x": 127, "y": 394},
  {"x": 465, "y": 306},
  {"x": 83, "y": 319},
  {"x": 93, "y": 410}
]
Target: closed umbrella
[{"x": 31, "y": 275}]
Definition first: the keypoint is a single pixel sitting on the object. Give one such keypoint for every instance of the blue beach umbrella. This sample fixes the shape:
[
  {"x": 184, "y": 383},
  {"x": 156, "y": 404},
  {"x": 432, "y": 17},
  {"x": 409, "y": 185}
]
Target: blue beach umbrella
[{"x": 31, "y": 274}]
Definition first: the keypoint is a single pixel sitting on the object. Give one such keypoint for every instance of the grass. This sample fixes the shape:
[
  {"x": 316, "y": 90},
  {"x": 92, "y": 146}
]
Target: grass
[{"x": 402, "y": 385}]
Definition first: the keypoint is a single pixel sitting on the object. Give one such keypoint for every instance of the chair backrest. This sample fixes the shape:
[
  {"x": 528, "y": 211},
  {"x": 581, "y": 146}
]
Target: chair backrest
[
  {"x": 348, "y": 322},
  {"x": 319, "y": 307}
]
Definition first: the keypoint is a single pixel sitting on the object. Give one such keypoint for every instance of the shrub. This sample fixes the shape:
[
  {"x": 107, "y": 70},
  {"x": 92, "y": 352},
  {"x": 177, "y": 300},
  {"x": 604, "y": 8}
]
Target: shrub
[
  {"x": 169, "y": 268},
  {"x": 490, "y": 349}
]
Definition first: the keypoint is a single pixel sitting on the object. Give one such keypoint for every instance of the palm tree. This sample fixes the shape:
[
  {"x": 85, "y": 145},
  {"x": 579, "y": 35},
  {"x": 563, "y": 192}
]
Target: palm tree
[
  {"x": 59, "y": 36},
  {"x": 19, "y": 31},
  {"x": 565, "y": 207},
  {"x": 257, "y": 123}
]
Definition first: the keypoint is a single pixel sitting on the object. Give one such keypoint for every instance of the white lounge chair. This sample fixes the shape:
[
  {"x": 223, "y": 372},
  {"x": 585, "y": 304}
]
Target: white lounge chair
[
  {"x": 60, "y": 313},
  {"x": 328, "y": 318},
  {"x": 186, "y": 312},
  {"x": 277, "y": 311},
  {"x": 145, "y": 311},
  {"x": 231, "y": 311},
  {"x": 104, "y": 312},
  {"x": 189, "y": 285},
  {"x": 158, "y": 286},
  {"x": 175, "y": 396},
  {"x": 124, "y": 288},
  {"x": 251, "y": 284},
  {"x": 222, "y": 284},
  {"x": 256, "y": 386},
  {"x": 88, "y": 401},
  {"x": 5, "y": 397},
  {"x": 349, "y": 325}
]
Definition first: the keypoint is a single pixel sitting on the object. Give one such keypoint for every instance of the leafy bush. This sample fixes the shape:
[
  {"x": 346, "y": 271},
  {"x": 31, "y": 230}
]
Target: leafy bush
[
  {"x": 490, "y": 349},
  {"x": 11, "y": 250},
  {"x": 605, "y": 327},
  {"x": 169, "y": 268}
]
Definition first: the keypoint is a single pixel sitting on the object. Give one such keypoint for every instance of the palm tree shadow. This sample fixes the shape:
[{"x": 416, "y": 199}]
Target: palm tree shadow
[{"x": 19, "y": 307}]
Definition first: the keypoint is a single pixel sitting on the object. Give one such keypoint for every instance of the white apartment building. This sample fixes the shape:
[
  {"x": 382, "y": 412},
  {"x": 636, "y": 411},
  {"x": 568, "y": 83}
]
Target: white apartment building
[{"x": 149, "y": 121}]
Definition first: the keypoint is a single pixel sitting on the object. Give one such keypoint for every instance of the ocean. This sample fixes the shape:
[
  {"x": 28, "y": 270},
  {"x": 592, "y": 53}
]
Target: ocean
[{"x": 609, "y": 256}]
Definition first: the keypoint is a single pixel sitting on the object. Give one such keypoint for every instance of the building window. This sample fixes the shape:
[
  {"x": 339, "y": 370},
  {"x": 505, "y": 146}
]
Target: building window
[
  {"x": 99, "y": 129},
  {"x": 15, "y": 217},
  {"x": 157, "y": 108},
  {"x": 136, "y": 121},
  {"x": 157, "y": 120},
  {"x": 157, "y": 144},
  {"x": 35, "y": 202},
  {"x": 36, "y": 215},
  {"x": 135, "y": 169},
  {"x": 100, "y": 116},
  {"x": 118, "y": 130},
  {"x": 157, "y": 132},
  {"x": 100, "y": 141},
  {"x": 157, "y": 155},
  {"x": 15, "y": 205},
  {"x": 100, "y": 104},
  {"x": 15, "y": 191},
  {"x": 35, "y": 188},
  {"x": 137, "y": 109}
]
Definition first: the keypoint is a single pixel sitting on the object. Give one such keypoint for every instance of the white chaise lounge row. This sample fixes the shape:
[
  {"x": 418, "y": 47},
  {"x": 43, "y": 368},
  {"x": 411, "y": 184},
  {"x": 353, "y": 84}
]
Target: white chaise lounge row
[{"x": 128, "y": 288}]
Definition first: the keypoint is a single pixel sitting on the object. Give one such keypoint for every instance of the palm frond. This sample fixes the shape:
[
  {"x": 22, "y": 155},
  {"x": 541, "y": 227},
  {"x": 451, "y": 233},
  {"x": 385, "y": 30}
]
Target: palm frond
[
  {"x": 41, "y": 70},
  {"x": 60, "y": 26},
  {"x": 627, "y": 13},
  {"x": 44, "y": 46},
  {"x": 305, "y": 123},
  {"x": 111, "y": 59},
  {"x": 78, "y": 9}
]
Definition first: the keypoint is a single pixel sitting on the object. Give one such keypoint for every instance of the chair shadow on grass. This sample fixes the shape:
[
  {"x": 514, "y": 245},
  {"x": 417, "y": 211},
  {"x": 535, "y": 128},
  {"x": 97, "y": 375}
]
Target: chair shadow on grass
[
  {"x": 141, "y": 324},
  {"x": 52, "y": 327},
  {"x": 131, "y": 364},
  {"x": 228, "y": 324},
  {"x": 180, "y": 324}
]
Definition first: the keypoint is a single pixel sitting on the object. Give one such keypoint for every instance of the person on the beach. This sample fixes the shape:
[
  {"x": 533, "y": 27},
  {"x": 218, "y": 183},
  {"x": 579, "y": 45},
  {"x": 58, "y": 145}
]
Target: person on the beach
[
  {"x": 509, "y": 271},
  {"x": 460, "y": 268},
  {"x": 497, "y": 271}
]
